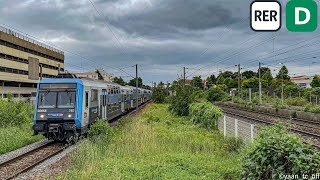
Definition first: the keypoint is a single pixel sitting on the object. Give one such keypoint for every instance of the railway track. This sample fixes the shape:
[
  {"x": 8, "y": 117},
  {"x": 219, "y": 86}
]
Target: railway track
[
  {"x": 14, "y": 167},
  {"x": 256, "y": 117},
  {"x": 25, "y": 162}
]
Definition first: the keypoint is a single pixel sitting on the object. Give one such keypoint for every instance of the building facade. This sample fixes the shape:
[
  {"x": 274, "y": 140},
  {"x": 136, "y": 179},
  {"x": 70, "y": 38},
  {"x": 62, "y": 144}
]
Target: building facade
[
  {"x": 24, "y": 61},
  {"x": 302, "y": 81},
  {"x": 90, "y": 75}
]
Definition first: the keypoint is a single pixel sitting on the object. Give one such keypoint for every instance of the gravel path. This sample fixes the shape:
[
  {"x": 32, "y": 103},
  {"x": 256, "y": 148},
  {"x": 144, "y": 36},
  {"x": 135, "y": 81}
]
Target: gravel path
[
  {"x": 18, "y": 152},
  {"x": 51, "y": 167}
]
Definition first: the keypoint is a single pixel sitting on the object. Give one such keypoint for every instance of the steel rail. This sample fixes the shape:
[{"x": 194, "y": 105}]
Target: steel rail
[{"x": 270, "y": 123}]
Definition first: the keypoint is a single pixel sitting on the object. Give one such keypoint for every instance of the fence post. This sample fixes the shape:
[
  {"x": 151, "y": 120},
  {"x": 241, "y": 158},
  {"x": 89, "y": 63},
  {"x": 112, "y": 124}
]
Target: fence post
[
  {"x": 250, "y": 94},
  {"x": 236, "y": 128},
  {"x": 224, "y": 126},
  {"x": 252, "y": 133}
]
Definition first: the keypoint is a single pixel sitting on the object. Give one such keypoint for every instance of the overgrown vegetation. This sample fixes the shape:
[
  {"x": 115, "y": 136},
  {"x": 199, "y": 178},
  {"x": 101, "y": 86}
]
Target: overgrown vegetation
[
  {"x": 15, "y": 125},
  {"x": 179, "y": 104},
  {"x": 156, "y": 145},
  {"x": 296, "y": 101},
  {"x": 276, "y": 151},
  {"x": 215, "y": 95},
  {"x": 205, "y": 114}
]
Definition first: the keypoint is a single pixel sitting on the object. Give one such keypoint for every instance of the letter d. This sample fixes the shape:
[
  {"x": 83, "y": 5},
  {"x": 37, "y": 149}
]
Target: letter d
[{"x": 297, "y": 13}]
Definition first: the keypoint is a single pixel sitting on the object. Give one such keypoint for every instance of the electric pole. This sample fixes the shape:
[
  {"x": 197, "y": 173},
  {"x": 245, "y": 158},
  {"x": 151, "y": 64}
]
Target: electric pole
[
  {"x": 137, "y": 104},
  {"x": 239, "y": 79},
  {"x": 184, "y": 77},
  {"x": 260, "y": 85}
]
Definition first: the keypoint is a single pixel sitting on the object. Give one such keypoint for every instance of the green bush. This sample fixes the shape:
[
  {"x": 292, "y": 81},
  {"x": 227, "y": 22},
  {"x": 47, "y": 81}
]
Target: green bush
[
  {"x": 100, "y": 129},
  {"x": 179, "y": 104},
  {"x": 312, "y": 108},
  {"x": 239, "y": 100},
  {"x": 15, "y": 113},
  {"x": 159, "y": 95},
  {"x": 205, "y": 114},
  {"x": 216, "y": 94},
  {"x": 276, "y": 151},
  {"x": 279, "y": 105},
  {"x": 296, "y": 101}
]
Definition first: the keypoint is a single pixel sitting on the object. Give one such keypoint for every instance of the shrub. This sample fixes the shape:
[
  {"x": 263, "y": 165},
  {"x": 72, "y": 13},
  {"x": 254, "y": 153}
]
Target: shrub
[
  {"x": 276, "y": 151},
  {"x": 159, "y": 95},
  {"x": 216, "y": 94},
  {"x": 179, "y": 104},
  {"x": 239, "y": 100},
  {"x": 279, "y": 105},
  {"x": 312, "y": 108},
  {"x": 205, "y": 114},
  {"x": 15, "y": 113},
  {"x": 100, "y": 129},
  {"x": 296, "y": 101}
]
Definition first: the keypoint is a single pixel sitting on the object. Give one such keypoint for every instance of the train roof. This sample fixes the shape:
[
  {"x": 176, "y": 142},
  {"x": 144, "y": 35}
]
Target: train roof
[{"x": 86, "y": 82}]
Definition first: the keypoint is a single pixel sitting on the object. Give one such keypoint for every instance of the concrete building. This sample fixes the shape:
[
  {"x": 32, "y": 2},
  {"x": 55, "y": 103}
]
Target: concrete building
[
  {"x": 302, "y": 81},
  {"x": 24, "y": 61},
  {"x": 99, "y": 74},
  {"x": 91, "y": 75},
  {"x": 104, "y": 75}
]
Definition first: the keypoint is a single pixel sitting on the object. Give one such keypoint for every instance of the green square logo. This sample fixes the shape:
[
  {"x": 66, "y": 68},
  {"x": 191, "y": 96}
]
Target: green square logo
[{"x": 302, "y": 15}]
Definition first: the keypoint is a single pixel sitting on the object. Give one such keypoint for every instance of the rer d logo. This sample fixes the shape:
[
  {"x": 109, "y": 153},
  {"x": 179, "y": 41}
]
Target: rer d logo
[{"x": 301, "y": 15}]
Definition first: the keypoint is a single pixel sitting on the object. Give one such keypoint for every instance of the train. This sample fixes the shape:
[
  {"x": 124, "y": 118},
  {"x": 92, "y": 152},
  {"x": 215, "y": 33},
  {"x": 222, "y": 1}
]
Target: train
[{"x": 66, "y": 108}]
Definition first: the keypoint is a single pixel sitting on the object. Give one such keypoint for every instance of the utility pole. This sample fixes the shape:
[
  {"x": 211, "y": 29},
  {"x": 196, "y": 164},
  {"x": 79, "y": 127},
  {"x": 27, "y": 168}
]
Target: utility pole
[
  {"x": 260, "y": 85},
  {"x": 184, "y": 77},
  {"x": 282, "y": 98},
  {"x": 137, "y": 104},
  {"x": 239, "y": 79}
]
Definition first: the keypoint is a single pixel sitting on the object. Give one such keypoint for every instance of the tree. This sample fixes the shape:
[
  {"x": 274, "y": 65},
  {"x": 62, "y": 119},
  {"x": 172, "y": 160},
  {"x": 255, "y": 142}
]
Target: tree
[
  {"x": 159, "y": 94},
  {"x": 248, "y": 74},
  {"x": 220, "y": 80},
  {"x": 119, "y": 81},
  {"x": 132, "y": 82},
  {"x": 267, "y": 77},
  {"x": 211, "y": 80},
  {"x": 263, "y": 70},
  {"x": 197, "y": 82},
  {"x": 283, "y": 74},
  {"x": 231, "y": 83},
  {"x": 315, "y": 82},
  {"x": 251, "y": 83}
]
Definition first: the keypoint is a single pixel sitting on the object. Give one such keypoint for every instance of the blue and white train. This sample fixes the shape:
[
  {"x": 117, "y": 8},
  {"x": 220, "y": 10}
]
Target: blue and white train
[{"x": 66, "y": 108}]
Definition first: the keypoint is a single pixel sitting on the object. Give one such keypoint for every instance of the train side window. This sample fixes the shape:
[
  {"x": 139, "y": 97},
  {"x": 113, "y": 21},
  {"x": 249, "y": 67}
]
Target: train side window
[
  {"x": 87, "y": 99},
  {"x": 94, "y": 95}
]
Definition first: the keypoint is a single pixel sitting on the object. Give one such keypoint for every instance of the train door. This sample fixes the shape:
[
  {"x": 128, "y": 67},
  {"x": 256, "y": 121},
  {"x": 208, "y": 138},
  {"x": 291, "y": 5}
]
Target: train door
[
  {"x": 86, "y": 107},
  {"x": 123, "y": 99},
  {"x": 104, "y": 104}
]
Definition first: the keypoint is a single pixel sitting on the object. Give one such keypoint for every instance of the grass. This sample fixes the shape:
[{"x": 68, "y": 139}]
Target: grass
[
  {"x": 15, "y": 125},
  {"x": 156, "y": 145},
  {"x": 12, "y": 138}
]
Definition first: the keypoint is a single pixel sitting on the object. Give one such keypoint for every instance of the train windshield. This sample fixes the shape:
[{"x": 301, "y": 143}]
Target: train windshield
[
  {"x": 57, "y": 99},
  {"x": 66, "y": 99},
  {"x": 47, "y": 99}
]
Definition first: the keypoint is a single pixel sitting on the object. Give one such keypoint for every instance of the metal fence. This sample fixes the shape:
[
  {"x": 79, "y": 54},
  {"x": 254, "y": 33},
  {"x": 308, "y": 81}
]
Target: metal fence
[{"x": 232, "y": 127}]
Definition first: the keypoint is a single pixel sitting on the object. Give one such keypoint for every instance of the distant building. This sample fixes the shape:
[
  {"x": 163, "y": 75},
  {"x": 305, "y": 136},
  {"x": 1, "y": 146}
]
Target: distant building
[
  {"x": 24, "y": 61},
  {"x": 104, "y": 75},
  {"x": 99, "y": 74},
  {"x": 91, "y": 75},
  {"x": 302, "y": 81}
]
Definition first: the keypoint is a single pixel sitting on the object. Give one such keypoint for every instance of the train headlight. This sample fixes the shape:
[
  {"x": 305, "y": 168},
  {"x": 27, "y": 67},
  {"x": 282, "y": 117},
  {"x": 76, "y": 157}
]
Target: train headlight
[
  {"x": 69, "y": 116},
  {"x": 41, "y": 116}
]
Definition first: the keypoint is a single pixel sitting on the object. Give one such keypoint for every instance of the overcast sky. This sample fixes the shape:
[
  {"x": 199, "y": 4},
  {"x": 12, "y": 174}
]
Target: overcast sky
[{"x": 162, "y": 36}]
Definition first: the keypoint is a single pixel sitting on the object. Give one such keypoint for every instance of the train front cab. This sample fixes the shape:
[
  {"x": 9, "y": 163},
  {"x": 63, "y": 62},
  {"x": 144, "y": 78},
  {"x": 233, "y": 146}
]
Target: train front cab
[{"x": 57, "y": 114}]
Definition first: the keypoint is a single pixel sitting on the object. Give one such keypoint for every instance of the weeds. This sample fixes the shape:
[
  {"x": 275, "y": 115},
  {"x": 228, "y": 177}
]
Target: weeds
[{"x": 156, "y": 145}]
